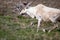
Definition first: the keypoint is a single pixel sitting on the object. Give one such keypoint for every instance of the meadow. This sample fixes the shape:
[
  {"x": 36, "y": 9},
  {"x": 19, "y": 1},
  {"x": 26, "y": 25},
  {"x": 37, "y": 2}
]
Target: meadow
[{"x": 21, "y": 29}]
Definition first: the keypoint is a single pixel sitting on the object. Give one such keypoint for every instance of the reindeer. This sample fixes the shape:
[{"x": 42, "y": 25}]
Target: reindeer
[{"x": 42, "y": 12}]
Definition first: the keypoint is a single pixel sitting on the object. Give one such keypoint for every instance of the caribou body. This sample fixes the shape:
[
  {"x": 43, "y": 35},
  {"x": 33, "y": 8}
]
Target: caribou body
[{"x": 42, "y": 12}]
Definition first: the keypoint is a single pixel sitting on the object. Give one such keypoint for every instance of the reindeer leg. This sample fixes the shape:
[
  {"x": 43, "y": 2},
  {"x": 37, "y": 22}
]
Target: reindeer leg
[
  {"x": 39, "y": 23},
  {"x": 54, "y": 27}
]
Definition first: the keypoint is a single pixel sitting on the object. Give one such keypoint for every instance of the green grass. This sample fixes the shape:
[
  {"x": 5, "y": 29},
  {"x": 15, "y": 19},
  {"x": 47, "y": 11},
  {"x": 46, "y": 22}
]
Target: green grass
[{"x": 20, "y": 29}]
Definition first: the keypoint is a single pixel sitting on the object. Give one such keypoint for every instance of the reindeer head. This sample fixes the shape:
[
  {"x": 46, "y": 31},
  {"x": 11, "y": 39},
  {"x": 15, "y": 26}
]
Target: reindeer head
[{"x": 24, "y": 10}]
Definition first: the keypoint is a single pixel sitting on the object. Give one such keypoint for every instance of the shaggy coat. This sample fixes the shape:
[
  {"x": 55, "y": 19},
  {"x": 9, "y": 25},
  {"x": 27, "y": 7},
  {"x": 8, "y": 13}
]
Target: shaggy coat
[{"x": 42, "y": 12}]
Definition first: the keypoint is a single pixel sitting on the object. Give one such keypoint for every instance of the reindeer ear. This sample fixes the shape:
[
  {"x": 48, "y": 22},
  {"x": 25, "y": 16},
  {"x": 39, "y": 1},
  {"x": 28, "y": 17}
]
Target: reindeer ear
[{"x": 25, "y": 3}]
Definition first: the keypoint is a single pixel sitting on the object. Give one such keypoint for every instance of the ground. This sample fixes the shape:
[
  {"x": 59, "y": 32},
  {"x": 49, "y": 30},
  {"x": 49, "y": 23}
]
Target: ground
[{"x": 22, "y": 30}]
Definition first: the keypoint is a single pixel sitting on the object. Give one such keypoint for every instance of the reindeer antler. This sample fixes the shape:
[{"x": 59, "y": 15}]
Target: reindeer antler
[{"x": 29, "y": 4}]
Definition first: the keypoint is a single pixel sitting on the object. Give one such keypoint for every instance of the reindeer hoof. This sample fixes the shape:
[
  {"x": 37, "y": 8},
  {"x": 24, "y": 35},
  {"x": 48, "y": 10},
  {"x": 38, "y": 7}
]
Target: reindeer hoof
[
  {"x": 49, "y": 31},
  {"x": 37, "y": 30},
  {"x": 44, "y": 30}
]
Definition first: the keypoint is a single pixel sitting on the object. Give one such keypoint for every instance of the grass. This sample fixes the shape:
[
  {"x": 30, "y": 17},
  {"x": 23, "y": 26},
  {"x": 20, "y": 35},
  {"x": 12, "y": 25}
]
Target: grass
[{"x": 21, "y": 29}]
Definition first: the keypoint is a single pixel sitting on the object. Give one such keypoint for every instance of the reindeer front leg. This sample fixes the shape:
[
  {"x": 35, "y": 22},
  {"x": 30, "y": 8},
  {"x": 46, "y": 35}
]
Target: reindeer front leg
[{"x": 39, "y": 24}]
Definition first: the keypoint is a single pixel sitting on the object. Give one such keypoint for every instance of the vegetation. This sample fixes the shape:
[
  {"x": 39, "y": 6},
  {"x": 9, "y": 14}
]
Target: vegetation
[{"x": 10, "y": 29}]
